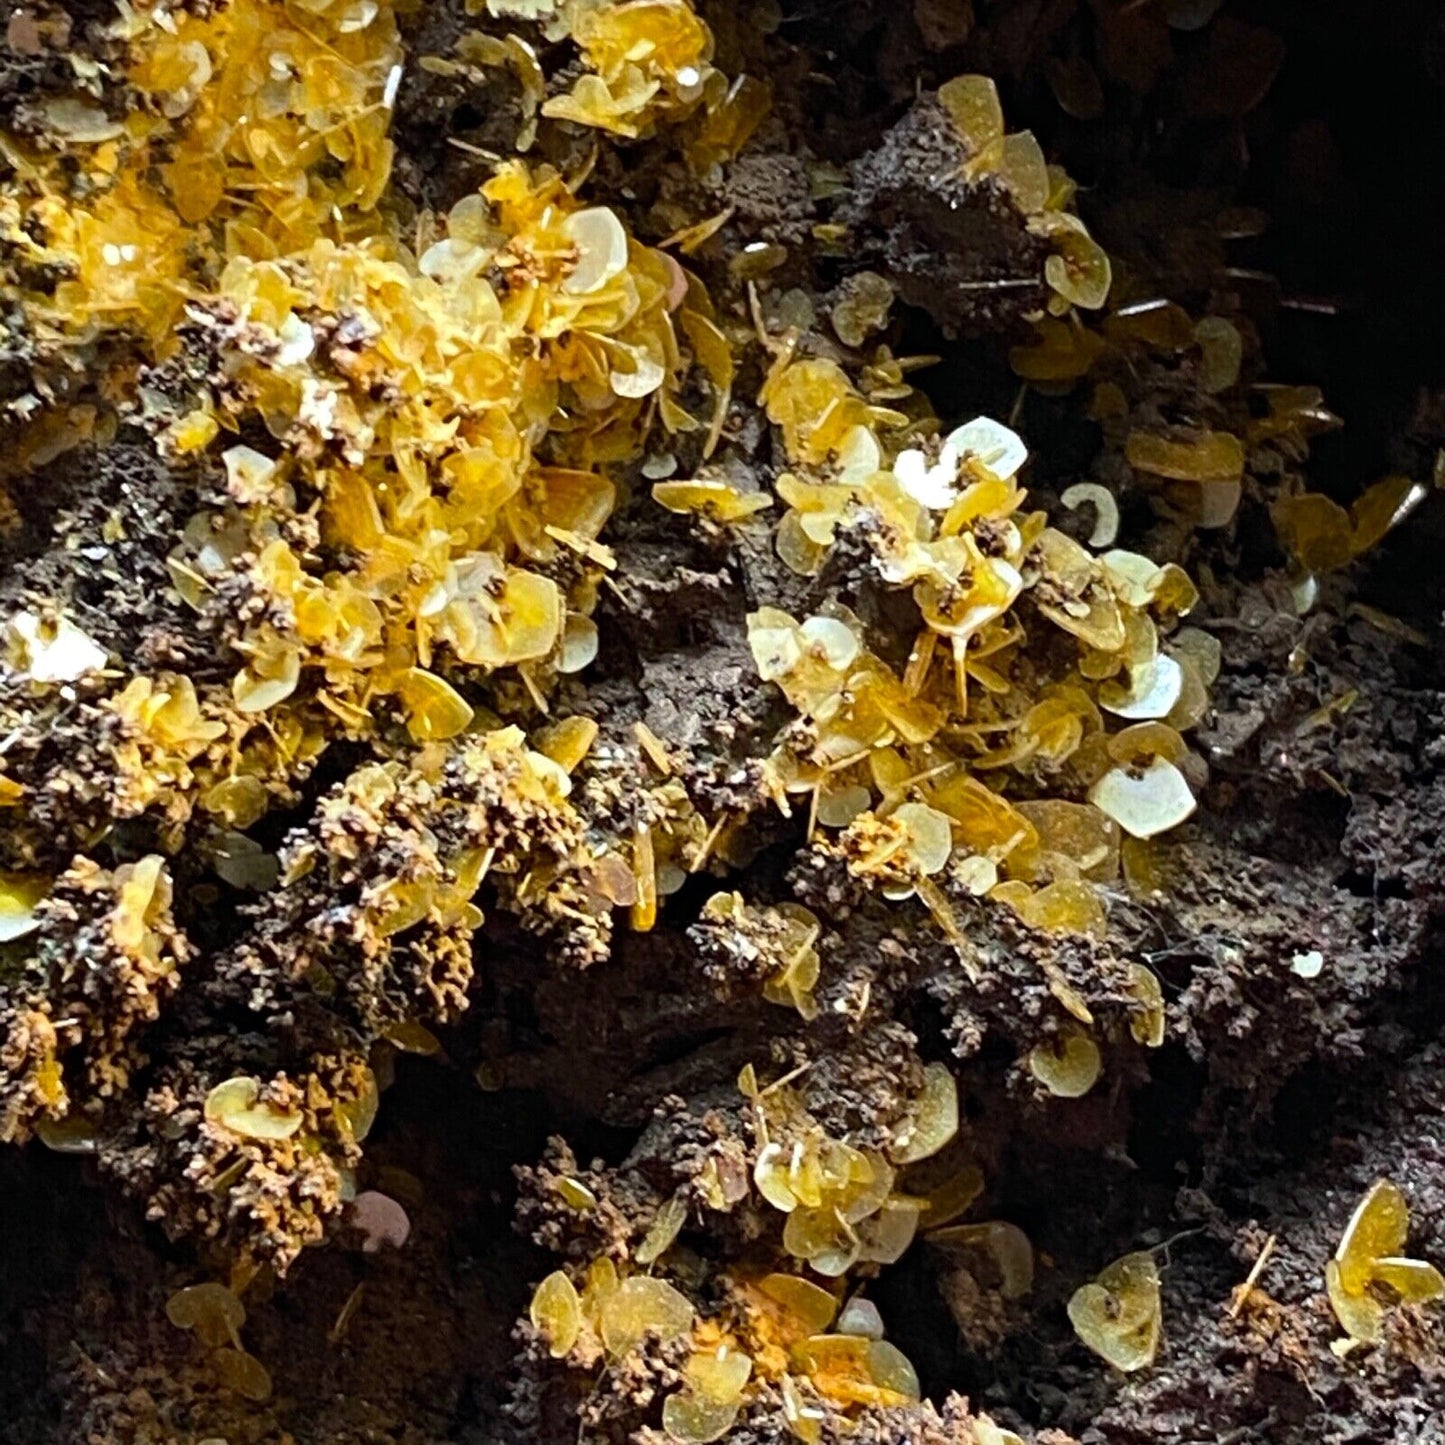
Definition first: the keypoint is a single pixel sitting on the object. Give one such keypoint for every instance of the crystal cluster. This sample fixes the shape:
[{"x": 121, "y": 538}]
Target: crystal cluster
[
  {"x": 911, "y": 772},
  {"x": 1369, "y": 1272},
  {"x": 403, "y": 435}
]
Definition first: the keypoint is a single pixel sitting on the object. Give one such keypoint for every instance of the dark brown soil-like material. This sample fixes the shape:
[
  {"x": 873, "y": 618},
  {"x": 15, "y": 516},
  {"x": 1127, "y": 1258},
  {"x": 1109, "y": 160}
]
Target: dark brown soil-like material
[{"x": 1280, "y": 1092}]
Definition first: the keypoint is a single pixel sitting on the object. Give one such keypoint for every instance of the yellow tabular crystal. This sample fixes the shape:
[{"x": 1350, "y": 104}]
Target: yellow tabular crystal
[
  {"x": 211, "y": 1310},
  {"x": 794, "y": 983},
  {"x": 1412, "y": 1279},
  {"x": 985, "y": 823},
  {"x": 803, "y": 1419},
  {"x": 1138, "y": 746},
  {"x": 951, "y": 1196},
  {"x": 412, "y": 1036},
  {"x": 885, "y": 1236},
  {"x": 648, "y": 60},
  {"x": 1024, "y": 171},
  {"x": 1079, "y": 270},
  {"x": 1382, "y": 506},
  {"x": 601, "y": 1282},
  {"x": 664, "y": 1229},
  {"x": 817, "y": 407},
  {"x": 1005, "y": 1247},
  {"x": 864, "y": 309},
  {"x": 730, "y": 125},
  {"x": 851, "y": 1370},
  {"x": 235, "y": 1105},
  {"x": 1068, "y": 906},
  {"x": 1058, "y": 353},
  {"x": 567, "y": 742},
  {"x": 601, "y": 244},
  {"x": 1067, "y": 1064},
  {"x": 575, "y": 1194},
  {"x": 813, "y": 1306},
  {"x": 1105, "y": 507},
  {"x": 973, "y": 105},
  {"x": 1118, "y": 1315},
  {"x": 1359, "y": 1313},
  {"x": 719, "y": 1375},
  {"x": 930, "y": 836},
  {"x": 1157, "y": 324},
  {"x": 435, "y": 709},
  {"x": 238, "y": 802},
  {"x": 1368, "y": 1269},
  {"x": 644, "y": 872},
  {"x": 986, "y": 1432},
  {"x": 1073, "y": 595},
  {"x": 1220, "y": 353},
  {"x": 74, "y": 1134},
  {"x": 1147, "y": 1021},
  {"x": 358, "y": 1113},
  {"x": 1078, "y": 832},
  {"x": 892, "y": 1370},
  {"x": 693, "y": 1419},
  {"x": 1146, "y": 802},
  {"x": 716, "y": 500},
  {"x": 773, "y": 1176},
  {"x": 1315, "y": 530},
  {"x": 641, "y": 1306},
  {"x": 824, "y": 1238},
  {"x": 579, "y": 644},
  {"x": 1323, "y": 536},
  {"x": 1204, "y": 456},
  {"x": 1202, "y": 650},
  {"x": 934, "y": 1119},
  {"x": 243, "y": 1373},
  {"x": 19, "y": 895},
  {"x": 556, "y": 1312}
]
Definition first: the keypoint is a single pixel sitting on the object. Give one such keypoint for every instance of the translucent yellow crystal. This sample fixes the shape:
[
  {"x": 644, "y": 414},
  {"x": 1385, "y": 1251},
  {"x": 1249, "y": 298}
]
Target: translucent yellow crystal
[
  {"x": 933, "y": 1120},
  {"x": 1006, "y": 1248},
  {"x": 851, "y": 1370},
  {"x": 243, "y": 1373},
  {"x": 717, "y": 500},
  {"x": 1315, "y": 530},
  {"x": 1147, "y": 1020},
  {"x": 1144, "y": 802},
  {"x": 1118, "y": 1315},
  {"x": 813, "y": 1306},
  {"x": 973, "y": 105},
  {"x": 236, "y": 1105},
  {"x": 19, "y": 895},
  {"x": 885, "y": 1236},
  {"x": 1079, "y": 270},
  {"x": 1204, "y": 456},
  {"x": 1067, "y": 1064},
  {"x": 1368, "y": 1260},
  {"x": 1058, "y": 353},
  {"x": 647, "y": 60},
  {"x": 892, "y": 1370},
  {"x": 719, "y": 1375},
  {"x": 641, "y": 1306},
  {"x": 211, "y": 1310},
  {"x": 1221, "y": 350},
  {"x": 1024, "y": 171},
  {"x": 556, "y": 1312},
  {"x": 663, "y": 1230},
  {"x": 692, "y": 1418},
  {"x": 435, "y": 709}
]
